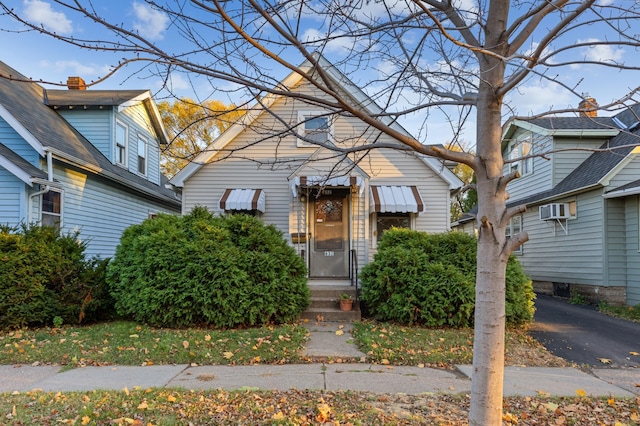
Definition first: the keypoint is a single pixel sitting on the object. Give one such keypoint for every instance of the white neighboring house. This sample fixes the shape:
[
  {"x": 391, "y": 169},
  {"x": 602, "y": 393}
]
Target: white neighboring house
[
  {"x": 83, "y": 160},
  {"x": 331, "y": 207}
]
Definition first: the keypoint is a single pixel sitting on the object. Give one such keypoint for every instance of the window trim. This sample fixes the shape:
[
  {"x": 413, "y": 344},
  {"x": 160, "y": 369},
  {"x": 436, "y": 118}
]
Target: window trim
[
  {"x": 145, "y": 157},
  {"x": 59, "y": 223},
  {"x": 509, "y": 233},
  {"x": 304, "y": 117},
  {"x": 514, "y": 150},
  {"x": 374, "y": 223},
  {"x": 117, "y": 145}
]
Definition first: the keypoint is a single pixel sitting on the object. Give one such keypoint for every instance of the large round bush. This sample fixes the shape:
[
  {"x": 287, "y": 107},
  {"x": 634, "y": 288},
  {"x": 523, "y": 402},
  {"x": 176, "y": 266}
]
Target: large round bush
[
  {"x": 44, "y": 275},
  {"x": 199, "y": 269},
  {"x": 429, "y": 279}
]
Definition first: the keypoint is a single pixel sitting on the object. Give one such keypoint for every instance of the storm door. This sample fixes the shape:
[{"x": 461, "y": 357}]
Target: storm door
[{"x": 329, "y": 251}]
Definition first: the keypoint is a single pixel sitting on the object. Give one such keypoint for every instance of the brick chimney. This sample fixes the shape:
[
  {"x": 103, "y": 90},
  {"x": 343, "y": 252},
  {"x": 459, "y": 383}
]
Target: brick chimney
[
  {"x": 588, "y": 106},
  {"x": 76, "y": 83}
]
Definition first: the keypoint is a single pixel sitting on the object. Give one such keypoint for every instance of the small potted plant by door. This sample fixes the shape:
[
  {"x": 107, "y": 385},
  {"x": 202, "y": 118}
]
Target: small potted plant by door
[{"x": 346, "y": 302}]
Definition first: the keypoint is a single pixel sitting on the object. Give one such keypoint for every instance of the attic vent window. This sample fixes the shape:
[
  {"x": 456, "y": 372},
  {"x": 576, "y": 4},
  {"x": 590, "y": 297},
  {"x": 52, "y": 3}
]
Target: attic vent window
[{"x": 314, "y": 128}]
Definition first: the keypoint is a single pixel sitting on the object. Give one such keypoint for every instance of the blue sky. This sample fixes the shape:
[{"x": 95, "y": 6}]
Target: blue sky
[{"x": 43, "y": 58}]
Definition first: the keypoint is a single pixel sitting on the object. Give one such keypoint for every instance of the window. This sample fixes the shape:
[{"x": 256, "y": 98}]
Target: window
[
  {"x": 386, "y": 221},
  {"x": 314, "y": 127},
  {"x": 142, "y": 155},
  {"x": 521, "y": 149},
  {"x": 514, "y": 227},
  {"x": 51, "y": 210},
  {"x": 121, "y": 144}
]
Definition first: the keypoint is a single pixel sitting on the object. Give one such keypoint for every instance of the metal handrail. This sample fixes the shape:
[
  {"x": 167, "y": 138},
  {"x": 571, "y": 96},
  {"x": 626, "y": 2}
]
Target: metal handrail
[{"x": 354, "y": 272}]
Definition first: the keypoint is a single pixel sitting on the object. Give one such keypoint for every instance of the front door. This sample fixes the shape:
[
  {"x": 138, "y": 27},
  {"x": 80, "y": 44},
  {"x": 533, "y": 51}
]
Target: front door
[{"x": 329, "y": 245}]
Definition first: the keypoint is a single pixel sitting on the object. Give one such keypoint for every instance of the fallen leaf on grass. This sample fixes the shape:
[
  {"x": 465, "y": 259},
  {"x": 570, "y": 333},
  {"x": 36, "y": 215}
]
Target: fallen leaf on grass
[{"x": 227, "y": 355}]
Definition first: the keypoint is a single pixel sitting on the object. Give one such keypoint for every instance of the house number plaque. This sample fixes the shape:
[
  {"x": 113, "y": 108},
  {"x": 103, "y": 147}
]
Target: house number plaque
[{"x": 329, "y": 254}]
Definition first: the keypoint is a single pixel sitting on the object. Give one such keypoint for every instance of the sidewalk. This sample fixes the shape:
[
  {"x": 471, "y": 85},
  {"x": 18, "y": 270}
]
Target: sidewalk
[{"x": 328, "y": 374}]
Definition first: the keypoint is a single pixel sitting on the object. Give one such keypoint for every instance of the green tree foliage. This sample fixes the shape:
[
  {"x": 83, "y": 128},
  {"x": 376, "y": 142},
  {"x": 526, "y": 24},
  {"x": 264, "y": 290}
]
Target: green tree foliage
[
  {"x": 463, "y": 201},
  {"x": 191, "y": 127},
  {"x": 203, "y": 270},
  {"x": 428, "y": 279},
  {"x": 44, "y": 275}
]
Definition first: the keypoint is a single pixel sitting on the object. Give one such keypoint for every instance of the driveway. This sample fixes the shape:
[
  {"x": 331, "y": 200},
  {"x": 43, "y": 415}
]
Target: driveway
[{"x": 582, "y": 335}]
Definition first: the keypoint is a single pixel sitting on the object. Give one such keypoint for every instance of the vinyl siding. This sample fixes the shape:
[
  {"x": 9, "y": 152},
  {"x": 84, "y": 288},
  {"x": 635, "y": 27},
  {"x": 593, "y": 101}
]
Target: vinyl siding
[
  {"x": 630, "y": 173},
  {"x": 138, "y": 123},
  {"x": 13, "y": 199},
  {"x": 12, "y": 140},
  {"x": 573, "y": 258},
  {"x": 100, "y": 211},
  {"x": 95, "y": 126},
  {"x": 615, "y": 265},
  {"x": 565, "y": 162},
  {"x": 540, "y": 178},
  {"x": 632, "y": 245},
  {"x": 251, "y": 165}
]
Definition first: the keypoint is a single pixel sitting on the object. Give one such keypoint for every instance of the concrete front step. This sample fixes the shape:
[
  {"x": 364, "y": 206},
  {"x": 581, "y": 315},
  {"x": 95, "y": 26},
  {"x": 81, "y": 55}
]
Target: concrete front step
[
  {"x": 325, "y": 302},
  {"x": 331, "y": 314}
]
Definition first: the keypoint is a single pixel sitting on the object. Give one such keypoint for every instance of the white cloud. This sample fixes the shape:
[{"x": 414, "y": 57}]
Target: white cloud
[
  {"x": 602, "y": 53},
  {"x": 40, "y": 13},
  {"x": 149, "y": 23},
  {"x": 539, "y": 97}
]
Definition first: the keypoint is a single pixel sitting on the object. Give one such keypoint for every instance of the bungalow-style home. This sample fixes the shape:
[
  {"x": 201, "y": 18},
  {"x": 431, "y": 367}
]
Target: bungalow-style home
[
  {"x": 582, "y": 199},
  {"x": 82, "y": 160},
  {"x": 332, "y": 207}
]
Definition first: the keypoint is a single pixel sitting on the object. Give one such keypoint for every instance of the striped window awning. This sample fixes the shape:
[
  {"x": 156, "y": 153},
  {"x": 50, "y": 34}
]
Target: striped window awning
[
  {"x": 322, "y": 181},
  {"x": 396, "y": 199},
  {"x": 243, "y": 199}
]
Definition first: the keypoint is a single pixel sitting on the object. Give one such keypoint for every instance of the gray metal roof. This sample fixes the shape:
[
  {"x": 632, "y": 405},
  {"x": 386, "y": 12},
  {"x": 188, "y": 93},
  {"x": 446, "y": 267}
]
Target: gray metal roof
[{"x": 25, "y": 101}]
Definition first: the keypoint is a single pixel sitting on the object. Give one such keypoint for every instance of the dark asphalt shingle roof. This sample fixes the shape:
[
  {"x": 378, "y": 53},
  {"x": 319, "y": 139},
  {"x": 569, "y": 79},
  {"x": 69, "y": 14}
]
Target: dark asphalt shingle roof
[
  {"x": 21, "y": 163},
  {"x": 25, "y": 101},
  {"x": 90, "y": 97},
  {"x": 600, "y": 163}
]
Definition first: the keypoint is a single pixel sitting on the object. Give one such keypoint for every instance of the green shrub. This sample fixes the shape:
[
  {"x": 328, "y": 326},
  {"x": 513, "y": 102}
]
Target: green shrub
[
  {"x": 203, "y": 270},
  {"x": 429, "y": 279},
  {"x": 44, "y": 275}
]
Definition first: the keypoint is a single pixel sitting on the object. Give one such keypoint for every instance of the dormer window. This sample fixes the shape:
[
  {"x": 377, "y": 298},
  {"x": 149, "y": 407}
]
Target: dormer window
[
  {"x": 121, "y": 144},
  {"x": 520, "y": 149},
  {"x": 314, "y": 128}
]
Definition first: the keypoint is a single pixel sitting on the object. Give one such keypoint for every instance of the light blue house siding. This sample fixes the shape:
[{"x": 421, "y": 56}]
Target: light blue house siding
[
  {"x": 13, "y": 199},
  {"x": 138, "y": 124},
  {"x": 551, "y": 254},
  {"x": 95, "y": 125},
  {"x": 632, "y": 249},
  {"x": 100, "y": 209},
  {"x": 540, "y": 177},
  {"x": 615, "y": 234},
  {"x": 12, "y": 140}
]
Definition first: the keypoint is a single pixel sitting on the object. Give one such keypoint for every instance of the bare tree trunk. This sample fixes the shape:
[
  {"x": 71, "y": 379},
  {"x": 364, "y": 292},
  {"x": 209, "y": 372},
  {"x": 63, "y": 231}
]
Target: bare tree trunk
[{"x": 488, "y": 345}]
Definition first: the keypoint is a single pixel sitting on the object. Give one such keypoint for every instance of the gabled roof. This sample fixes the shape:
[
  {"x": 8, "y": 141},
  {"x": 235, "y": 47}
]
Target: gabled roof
[
  {"x": 360, "y": 98},
  {"x": 600, "y": 166},
  {"x": 22, "y": 105},
  {"x": 19, "y": 167},
  {"x": 97, "y": 99}
]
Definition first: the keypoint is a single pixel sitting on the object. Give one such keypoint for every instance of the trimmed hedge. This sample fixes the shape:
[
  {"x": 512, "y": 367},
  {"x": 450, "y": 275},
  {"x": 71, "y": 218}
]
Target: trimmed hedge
[
  {"x": 44, "y": 275},
  {"x": 198, "y": 269},
  {"x": 429, "y": 279}
]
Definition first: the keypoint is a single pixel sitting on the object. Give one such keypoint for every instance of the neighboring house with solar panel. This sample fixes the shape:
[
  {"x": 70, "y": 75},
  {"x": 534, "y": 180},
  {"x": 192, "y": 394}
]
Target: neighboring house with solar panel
[
  {"x": 82, "y": 160},
  {"x": 331, "y": 207},
  {"x": 583, "y": 203}
]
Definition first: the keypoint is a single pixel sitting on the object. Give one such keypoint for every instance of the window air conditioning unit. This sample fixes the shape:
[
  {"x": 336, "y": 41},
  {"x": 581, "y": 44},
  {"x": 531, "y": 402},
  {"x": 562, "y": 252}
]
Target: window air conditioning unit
[{"x": 554, "y": 211}]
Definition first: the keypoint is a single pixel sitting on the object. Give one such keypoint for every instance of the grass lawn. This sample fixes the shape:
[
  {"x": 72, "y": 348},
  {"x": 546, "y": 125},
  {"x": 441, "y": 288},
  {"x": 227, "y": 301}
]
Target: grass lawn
[{"x": 127, "y": 343}]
